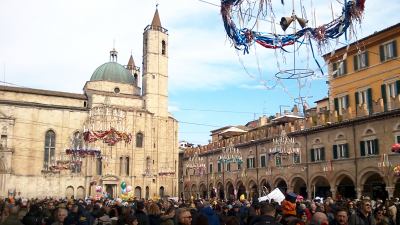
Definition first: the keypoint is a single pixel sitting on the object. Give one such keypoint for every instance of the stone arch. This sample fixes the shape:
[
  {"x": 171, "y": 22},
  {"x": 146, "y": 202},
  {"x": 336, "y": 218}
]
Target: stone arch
[
  {"x": 368, "y": 171},
  {"x": 345, "y": 186},
  {"x": 212, "y": 192},
  {"x": 220, "y": 190},
  {"x": 340, "y": 136},
  {"x": 80, "y": 192},
  {"x": 138, "y": 192},
  {"x": 298, "y": 185},
  {"x": 203, "y": 190},
  {"x": 265, "y": 187},
  {"x": 253, "y": 189},
  {"x": 321, "y": 186},
  {"x": 339, "y": 175},
  {"x": 241, "y": 189},
  {"x": 280, "y": 182},
  {"x": 374, "y": 185},
  {"x": 230, "y": 190},
  {"x": 369, "y": 131},
  {"x": 396, "y": 127},
  {"x": 316, "y": 141},
  {"x": 69, "y": 192}
]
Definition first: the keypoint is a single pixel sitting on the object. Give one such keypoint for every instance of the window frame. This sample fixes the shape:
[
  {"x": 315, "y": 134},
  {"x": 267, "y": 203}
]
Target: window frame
[
  {"x": 360, "y": 61},
  {"x": 387, "y": 53},
  {"x": 265, "y": 160},
  {"x": 139, "y": 140},
  {"x": 49, "y": 149}
]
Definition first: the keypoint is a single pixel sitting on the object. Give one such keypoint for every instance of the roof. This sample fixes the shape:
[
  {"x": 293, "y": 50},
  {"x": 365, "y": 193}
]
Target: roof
[
  {"x": 114, "y": 72},
  {"x": 376, "y": 33},
  {"x": 43, "y": 92},
  {"x": 287, "y": 118},
  {"x": 321, "y": 100},
  {"x": 156, "y": 19},
  {"x": 131, "y": 62}
]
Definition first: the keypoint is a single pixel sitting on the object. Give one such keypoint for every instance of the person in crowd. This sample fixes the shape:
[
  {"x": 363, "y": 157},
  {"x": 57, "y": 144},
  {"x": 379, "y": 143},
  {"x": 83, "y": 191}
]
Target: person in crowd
[
  {"x": 380, "y": 217},
  {"x": 61, "y": 215},
  {"x": 210, "y": 214},
  {"x": 183, "y": 217},
  {"x": 231, "y": 220},
  {"x": 168, "y": 217},
  {"x": 154, "y": 213},
  {"x": 201, "y": 219},
  {"x": 319, "y": 218},
  {"x": 140, "y": 214},
  {"x": 131, "y": 220},
  {"x": 267, "y": 215},
  {"x": 12, "y": 218},
  {"x": 363, "y": 216},
  {"x": 341, "y": 217}
]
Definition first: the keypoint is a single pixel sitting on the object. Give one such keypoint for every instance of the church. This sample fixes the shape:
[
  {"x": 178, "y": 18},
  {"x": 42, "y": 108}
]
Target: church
[{"x": 117, "y": 138}]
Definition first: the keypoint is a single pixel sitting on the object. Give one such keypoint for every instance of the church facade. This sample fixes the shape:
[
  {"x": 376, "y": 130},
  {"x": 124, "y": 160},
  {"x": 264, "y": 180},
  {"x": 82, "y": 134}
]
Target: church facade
[{"x": 116, "y": 138}]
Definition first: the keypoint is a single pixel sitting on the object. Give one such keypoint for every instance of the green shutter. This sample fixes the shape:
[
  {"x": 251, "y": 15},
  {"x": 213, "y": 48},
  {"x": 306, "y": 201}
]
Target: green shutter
[
  {"x": 334, "y": 67},
  {"x": 383, "y": 91},
  {"x": 248, "y": 163},
  {"x": 398, "y": 139},
  {"x": 394, "y": 48},
  {"x": 369, "y": 94},
  {"x": 335, "y": 153},
  {"x": 346, "y": 150},
  {"x": 312, "y": 155},
  {"x": 381, "y": 53},
  {"x": 357, "y": 102},
  {"x": 362, "y": 148},
  {"x": 397, "y": 87},
  {"x": 336, "y": 102},
  {"x": 376, "y": 147},
  {"x": 355, "y": 62},
  {"x": 366, "y": 59},
  {"x": 322, "y": 154},
  {"x": 347, "y": 102},
  {"x": 344, "y": 66}
]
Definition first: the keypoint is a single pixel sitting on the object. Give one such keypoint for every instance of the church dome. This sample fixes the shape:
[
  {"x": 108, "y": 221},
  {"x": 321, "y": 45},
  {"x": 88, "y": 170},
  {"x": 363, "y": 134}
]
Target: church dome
[{"x": 112, "y": 71}]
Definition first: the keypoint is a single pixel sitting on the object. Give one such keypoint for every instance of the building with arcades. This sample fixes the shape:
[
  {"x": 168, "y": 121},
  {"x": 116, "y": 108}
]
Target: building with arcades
[
  {"x": 119, "y": 130},
  {"x": 342, "y": 146}
]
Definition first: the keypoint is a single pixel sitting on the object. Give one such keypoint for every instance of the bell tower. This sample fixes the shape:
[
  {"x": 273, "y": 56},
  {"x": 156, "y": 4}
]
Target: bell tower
[{"x": 155, "y": 67}]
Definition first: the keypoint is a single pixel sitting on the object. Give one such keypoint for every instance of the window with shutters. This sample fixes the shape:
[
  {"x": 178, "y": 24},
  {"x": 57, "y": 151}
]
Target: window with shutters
[
  {"x": 317, "y": 154},
  {"x": 341, "y": 104},
  {"x": 228, "y": 167},
  {"x": 278, "y": 160},
  {"x": 210, "y": 168},
  {"x": 364, "y": 97},
  {"x": 263, "y": 160},
  {"x": 250, "y": 162},
  {"x": 219, "y": 165},
  {"x": 388, "y": 51},
  {"x": 369, "y": 147},
  {"x": 339, "y": 68},
  {"x": 360, "y": 61},
  {"x": 296, "y": 158},
  {"x": 398, "y": 139},
  {"x": 341, "y": 151}
]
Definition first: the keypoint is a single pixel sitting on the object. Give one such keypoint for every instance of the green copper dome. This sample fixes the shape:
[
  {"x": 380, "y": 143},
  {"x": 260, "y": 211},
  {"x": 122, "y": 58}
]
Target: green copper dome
[{"x": 114, "y": 72}]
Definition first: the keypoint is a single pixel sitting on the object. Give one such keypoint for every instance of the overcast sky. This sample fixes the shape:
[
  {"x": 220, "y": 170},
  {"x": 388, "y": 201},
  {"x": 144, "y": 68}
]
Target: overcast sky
[{"x": 57, "y": 44}]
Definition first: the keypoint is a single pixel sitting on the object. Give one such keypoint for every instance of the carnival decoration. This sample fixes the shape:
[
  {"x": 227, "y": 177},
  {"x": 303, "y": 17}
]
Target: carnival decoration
[
  {"x": 243, "y": 38},
  {"x": 396, "y": 148},
  {"x": 230, "y": 155},
  {"x": 82, "y": 153},
  {"x": 385, "y": 165},
  {"x": 283, "y": 145},
  {"x": 110, "y": 137},
  {"x": 127, "y": 192}
]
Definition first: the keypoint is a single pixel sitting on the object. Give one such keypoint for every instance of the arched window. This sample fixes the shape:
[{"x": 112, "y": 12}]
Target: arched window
[
  {"x": 139, "y": 140},
  {"x": 148, "y": 165},
  {"x": 99, "y": 166},
  {"x": 164, "y": 46},
  {"x": 49, "y": 149},
  {"x": 162, "y": 190}
]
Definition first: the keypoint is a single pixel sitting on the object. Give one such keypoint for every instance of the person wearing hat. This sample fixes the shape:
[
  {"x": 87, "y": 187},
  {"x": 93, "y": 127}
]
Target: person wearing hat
[
  {"x": 267, "y": 216},
  {"x": 288, "y": 207}
]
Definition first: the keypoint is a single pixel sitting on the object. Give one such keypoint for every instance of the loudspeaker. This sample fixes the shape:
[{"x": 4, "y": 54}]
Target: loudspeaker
[
  {"x": 302, "y": 22},
  {"x": 285, "y": 22}
]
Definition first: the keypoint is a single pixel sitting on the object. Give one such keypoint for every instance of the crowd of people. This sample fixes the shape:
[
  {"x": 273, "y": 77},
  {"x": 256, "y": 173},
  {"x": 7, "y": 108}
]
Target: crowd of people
[{"x": 290, "y": 211}]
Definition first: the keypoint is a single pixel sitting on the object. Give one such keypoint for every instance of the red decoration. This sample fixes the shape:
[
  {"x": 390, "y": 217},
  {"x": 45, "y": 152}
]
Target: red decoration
[
  {"x": 396, "y": 148},
  {"x": 110, "y": 137}
]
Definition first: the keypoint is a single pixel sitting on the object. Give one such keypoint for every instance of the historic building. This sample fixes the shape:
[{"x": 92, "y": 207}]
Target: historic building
[
  {"x": 341, "y": 148},
  {"x": 118, "y": 131}
]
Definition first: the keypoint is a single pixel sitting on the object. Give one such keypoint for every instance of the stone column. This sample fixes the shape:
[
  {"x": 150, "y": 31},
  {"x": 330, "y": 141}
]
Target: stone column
[
  {"x": 390, "y": 191},
  {"x": 358, "y": 191},
  {"x": 333, "y": 192}
]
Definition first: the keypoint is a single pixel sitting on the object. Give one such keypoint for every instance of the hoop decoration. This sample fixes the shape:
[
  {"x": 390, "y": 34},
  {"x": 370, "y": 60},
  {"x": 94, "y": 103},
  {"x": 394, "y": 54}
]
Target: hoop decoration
[{"x": 243, "y": 38}]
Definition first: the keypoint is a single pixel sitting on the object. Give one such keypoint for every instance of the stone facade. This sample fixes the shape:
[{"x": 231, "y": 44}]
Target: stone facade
[{"x": 149, "y": 163}]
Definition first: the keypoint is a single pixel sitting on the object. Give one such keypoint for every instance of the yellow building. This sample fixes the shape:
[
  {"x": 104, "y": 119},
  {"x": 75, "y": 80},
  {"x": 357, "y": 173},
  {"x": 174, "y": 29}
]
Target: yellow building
[
  {"x": 342, "y": 148},
  {"x": 65, "y": 144}
]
